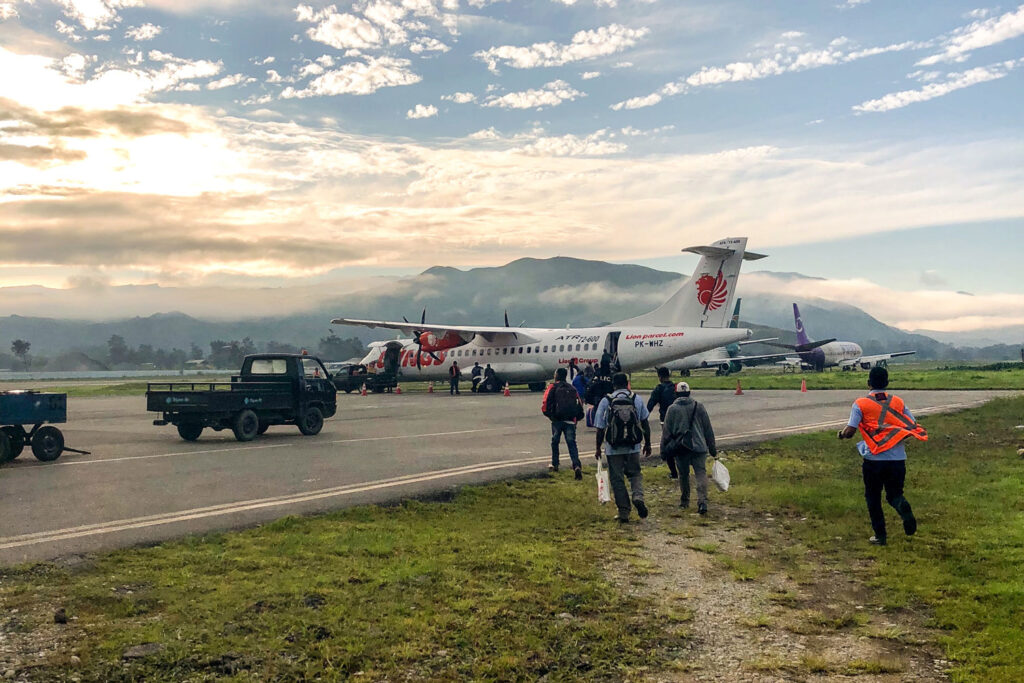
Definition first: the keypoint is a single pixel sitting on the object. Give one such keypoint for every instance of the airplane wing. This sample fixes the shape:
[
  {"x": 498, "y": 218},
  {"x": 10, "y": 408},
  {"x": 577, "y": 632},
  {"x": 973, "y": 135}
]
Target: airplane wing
[
  {"x": 710, "y": 363},
  {"x": 757, "y": 341},
  {"x": 869, "y": 361},
  {"x": 500, "y": 335}
]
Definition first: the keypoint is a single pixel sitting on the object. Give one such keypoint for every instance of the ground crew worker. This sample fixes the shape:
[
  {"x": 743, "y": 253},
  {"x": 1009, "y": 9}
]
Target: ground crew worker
[
  {"x": 884, "y": 422},
  {"x": 687, "y": 438},
  {"x": 619, "y": 412},
  {"x": 475, "y": 375},
  {"x": 454, "y": 374},
  {"x": 663, "y": 396}
]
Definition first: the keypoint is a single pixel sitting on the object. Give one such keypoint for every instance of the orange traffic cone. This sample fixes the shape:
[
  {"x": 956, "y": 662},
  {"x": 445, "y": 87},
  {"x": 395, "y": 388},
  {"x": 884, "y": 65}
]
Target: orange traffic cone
[
  {"x": 803, "y": 386},
  {"x": 362, "y": 392},
  {"x": 430, "y": 388},
  {"x": 739, "y": 390},
  {"x": 506, "y": 392},
  {"x": 398, "y": 388}
]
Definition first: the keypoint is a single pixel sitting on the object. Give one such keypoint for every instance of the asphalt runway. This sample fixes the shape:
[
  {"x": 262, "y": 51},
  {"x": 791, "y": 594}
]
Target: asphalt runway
[{"x": 143, "y": 484}]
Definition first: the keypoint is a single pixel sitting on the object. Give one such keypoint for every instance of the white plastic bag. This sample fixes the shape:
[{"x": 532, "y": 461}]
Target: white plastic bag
[
  {"x": 604, "y": 485},
  {"x": 720, "y": 475}
]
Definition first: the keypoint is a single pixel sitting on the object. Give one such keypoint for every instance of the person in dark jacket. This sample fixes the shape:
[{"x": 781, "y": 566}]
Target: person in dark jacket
[
  {"x": 663, "y": 396},
  {"x": 563, "y": 424},
  {"x": 580, "y": 384},
  {"x": 476, "y": 375},
  {"x": 454, "y": 375},
  {"x": 688, "y": 437}
]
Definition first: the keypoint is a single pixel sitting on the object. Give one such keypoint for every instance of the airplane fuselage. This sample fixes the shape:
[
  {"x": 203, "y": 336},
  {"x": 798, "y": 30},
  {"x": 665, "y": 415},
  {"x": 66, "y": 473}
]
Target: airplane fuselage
[
  {"x": 519, "y": 362},
  {"x": 832, "y": 354}
]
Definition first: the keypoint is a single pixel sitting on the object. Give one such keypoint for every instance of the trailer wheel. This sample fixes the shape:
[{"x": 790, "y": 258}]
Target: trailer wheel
[
  {"x": 16, "y": 435},
  {"x": 246, "y": 426},
  {"x": 47, "y": 443},
  {"x": 311, "y": 421},
  {"x": 190, "y": 431}
]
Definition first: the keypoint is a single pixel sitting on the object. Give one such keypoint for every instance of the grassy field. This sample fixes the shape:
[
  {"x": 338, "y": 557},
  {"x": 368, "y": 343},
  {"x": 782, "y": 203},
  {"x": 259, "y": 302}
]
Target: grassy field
[
  {"x": 904, "y": 376},
  {"x": 507, "y": 582}
]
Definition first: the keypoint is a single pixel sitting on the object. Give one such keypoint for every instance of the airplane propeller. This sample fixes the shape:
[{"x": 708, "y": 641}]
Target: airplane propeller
[
  {"x": 416, "y": 338},
  {"x": 514, "y": 335}
]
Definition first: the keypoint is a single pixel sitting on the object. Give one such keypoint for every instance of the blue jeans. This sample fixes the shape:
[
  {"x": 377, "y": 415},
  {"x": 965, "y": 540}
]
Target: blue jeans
[{"x": 569, "y": 429}]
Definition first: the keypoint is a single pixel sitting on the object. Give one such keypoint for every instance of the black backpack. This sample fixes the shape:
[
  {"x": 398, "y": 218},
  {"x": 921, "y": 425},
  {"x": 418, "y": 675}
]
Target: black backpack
[
  {"x": 623, "y": 421},
  {"x": 564, "y": 403}
]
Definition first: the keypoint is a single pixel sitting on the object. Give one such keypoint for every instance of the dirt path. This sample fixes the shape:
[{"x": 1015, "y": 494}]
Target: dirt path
[{"x": 748, "y": 604}]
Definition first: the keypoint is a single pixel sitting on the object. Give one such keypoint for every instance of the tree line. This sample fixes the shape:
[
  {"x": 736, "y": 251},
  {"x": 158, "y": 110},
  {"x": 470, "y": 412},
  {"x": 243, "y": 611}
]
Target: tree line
[{"x": 117, "y": 354}]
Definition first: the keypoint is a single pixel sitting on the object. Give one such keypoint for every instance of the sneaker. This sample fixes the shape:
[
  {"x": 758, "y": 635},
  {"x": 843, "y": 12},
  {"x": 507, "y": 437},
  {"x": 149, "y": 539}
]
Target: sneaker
[
  {"x": 702, "y": 508},
  {"x": 910, "y": 525},
  {"x": 684, "y": 503},
  {"x": 875, "y": 540},
  {"x": 578, "y": 474},
  {"x": 641, "y": 508},
  {"x": 552, "y": 468},
  {"x": 621, "y": 520}
]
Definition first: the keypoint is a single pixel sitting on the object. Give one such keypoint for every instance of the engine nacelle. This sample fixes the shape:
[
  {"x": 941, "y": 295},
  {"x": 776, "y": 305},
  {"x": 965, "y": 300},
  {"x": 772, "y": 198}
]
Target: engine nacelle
[{"x": 429, "y": 341}]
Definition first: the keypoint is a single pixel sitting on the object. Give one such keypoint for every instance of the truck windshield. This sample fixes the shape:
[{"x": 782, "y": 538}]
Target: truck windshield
[
  {"x": 269, "y": 366},
  {"x": 311, "y": 368}
]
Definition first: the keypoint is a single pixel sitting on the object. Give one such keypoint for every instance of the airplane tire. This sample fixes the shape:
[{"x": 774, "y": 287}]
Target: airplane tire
[
  {"x": 311, "y": 421},
  {"x": 47, "y": 444},
  {"x": 190, "y": 431},
  {"x": 246, "y": 426}
]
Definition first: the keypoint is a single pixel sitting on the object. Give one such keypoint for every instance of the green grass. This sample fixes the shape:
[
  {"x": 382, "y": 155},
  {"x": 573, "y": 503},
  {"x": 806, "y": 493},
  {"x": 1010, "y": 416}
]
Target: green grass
[
  {"x": 505, "y": 582},
  {"x": 967, "y": 488}
]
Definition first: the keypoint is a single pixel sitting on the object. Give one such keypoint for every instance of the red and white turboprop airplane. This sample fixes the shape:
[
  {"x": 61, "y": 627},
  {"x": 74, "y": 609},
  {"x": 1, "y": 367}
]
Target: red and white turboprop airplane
[{"x": 692, "y": 320}]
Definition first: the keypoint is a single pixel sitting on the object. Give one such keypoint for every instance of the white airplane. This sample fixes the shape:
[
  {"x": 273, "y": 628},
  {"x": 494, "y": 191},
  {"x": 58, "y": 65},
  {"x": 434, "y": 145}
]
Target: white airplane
[
  {"x": 724, "y": 360},
  {"x": 831, "y": 353},
  {"x": 689, "y": 322}
]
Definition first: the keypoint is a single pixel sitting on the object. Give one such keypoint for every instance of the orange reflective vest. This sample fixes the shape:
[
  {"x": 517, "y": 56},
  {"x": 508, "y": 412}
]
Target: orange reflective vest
[{"x": 884, "y": 422}]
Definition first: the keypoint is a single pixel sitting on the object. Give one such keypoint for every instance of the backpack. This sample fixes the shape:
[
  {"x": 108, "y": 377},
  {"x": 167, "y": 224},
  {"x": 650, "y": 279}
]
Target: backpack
[
  {"x": 680, "y": 442},
  {"x": 623, "y": 421},
  {"x": 564, "y": 403}
]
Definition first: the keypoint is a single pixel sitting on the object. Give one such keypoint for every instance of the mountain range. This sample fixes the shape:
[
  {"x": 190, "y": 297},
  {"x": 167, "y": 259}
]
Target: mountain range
[{"x": 552, "y": 292}]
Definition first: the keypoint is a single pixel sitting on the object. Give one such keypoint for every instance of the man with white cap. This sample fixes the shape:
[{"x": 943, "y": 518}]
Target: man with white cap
[{"x": 688, "y": 437}]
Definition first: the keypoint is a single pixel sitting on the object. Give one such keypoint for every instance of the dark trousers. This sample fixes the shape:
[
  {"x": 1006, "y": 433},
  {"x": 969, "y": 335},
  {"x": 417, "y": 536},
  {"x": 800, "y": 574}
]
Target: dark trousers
[
  {"x": 698, "y": 461},
  {"x": 453, "y": 386},
  {"x": 627, "y": 466},
  {"x": 558, "y": 428},
  {"x": 888, "y": 475}
]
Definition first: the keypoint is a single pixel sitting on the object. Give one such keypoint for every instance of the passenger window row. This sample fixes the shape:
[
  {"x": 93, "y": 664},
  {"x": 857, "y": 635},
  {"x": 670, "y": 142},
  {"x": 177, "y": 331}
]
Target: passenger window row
[{"x": 513, "y": 350}]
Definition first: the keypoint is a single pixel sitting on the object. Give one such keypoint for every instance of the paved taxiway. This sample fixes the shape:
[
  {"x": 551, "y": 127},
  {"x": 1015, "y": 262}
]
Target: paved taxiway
[{"x": 143, "y": 484}]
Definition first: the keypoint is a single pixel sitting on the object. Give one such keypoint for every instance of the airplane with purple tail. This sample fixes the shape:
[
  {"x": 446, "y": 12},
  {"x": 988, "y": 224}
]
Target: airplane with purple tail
[{"x": 819, "y": 355}]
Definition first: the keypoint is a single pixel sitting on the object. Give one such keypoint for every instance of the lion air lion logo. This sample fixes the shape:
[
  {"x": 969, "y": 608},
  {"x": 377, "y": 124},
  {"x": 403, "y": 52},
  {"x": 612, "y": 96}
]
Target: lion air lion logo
[{"x": 711, "y": 291}]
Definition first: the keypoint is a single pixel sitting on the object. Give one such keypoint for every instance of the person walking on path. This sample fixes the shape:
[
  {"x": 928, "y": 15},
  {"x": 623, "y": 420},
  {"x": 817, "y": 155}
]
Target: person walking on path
[
  {"x": 687, "y": 438},
  {"x": 663, "y": 396},
  {"x": 454, "y": 374},
  {"x": 621, "y": 421},
  {"x": 884, "y": 421},
  {"x": 561, "y": 404}
]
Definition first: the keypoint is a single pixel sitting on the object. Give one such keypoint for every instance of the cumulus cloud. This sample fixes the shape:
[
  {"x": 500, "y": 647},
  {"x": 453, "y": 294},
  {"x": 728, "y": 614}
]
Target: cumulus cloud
[
  {"x": 460, "y": 97},
  {"x": 95, "y": 15},
  {"x": 144, "y": 32},
  {"x": 421, "y": 111},
  {"x": 229, "y": 81},
  {"x": 595, "y": 144},
  {"x": 7, "y": 11},
  {"x": 358, "y": 78},
  {"x": 428, "y": 45},
  {"x": 584, "y": 45},
  {"x": 340, "y": 30},
  {"x": 550, "y": 95},
  {"x": 953, "y": 82},
  {"x": 982, "y": 33},
  {"x": 587, "y": 75}
]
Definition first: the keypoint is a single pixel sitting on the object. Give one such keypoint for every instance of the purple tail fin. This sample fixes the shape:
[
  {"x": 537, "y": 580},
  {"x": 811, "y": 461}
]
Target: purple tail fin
[{"x": 801, "y": 334}]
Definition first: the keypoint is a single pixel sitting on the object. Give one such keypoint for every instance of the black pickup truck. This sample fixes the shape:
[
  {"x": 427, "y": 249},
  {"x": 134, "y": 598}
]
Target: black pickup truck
[{"x": 272, "y": 389}]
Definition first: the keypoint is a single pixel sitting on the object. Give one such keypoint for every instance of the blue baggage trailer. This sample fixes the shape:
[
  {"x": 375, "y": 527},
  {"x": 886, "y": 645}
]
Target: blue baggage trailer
[{"x": 27, "y": 418}]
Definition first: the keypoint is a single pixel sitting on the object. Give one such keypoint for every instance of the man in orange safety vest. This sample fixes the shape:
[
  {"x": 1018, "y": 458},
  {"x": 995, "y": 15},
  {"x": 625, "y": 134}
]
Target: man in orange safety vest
[{"x": 884, "y": 422}]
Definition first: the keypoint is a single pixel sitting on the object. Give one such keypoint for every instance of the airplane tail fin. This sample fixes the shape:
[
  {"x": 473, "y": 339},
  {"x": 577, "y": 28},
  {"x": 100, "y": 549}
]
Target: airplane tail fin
[
  {"x": 735, "y": 322},
  {"x": 801, "y": 334},
  {"x": 705, "y": 298}
]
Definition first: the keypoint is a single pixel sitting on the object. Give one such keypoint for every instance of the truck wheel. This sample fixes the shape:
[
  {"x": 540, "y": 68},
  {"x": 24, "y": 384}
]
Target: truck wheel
[
  {"x": 47, "y": 444},
  {"x": 246, "y": 426},
  {"x": 311, "y": 421},
  {"x": 16, "y": 435},
  {"x": 190, "y": 431},
  {"x": 264, "y": 426}
]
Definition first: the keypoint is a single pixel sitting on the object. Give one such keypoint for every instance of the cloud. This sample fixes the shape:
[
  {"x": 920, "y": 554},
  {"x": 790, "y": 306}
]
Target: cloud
[
  {"x": 7, "y": 11},
  {"x": 587, "y": 75},
  {"x": 73, "y": 122},
  {"x": 35, "y": 155},
  {"x": 229, "y": 81},
  {"x": 599, "y": 42},
  {"x": 595, "y": 144},
  {"x": 341, "y": 31},
  {"x": 144, "y": 32},
  {"x": 421, "y": 112},
  {"x": 983, "y": 33},
  {"x": 95, "y": 15},
  {"x": 933, "y": 278},
  {"x": 839, "y": 51},
  {"x": 953, "y": 82},
  {"x": 358, "y": 78},
  {"x": 460, "y": 97},
  {"x": 428, "y": 45},
  {"x": 550, "y": 95}
]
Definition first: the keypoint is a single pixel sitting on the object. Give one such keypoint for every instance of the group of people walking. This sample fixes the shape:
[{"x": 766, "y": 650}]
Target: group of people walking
[{"x": 623, "y": 435}]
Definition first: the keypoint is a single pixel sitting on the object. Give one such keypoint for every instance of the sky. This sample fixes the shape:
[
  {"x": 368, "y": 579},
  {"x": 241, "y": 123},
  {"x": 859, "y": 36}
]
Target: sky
[{"x": 199, "y": 144}]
